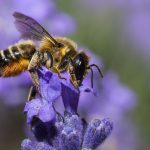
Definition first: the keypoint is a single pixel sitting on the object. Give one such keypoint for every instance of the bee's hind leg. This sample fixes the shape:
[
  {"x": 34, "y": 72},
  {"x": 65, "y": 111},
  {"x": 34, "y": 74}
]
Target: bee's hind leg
[
  {"x": 33, "y": 65},
  {"x": 35, "y": 79}
]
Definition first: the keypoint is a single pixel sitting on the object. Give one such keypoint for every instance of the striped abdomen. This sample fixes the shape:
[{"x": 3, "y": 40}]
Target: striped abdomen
[{"x": 16, "y": 58}]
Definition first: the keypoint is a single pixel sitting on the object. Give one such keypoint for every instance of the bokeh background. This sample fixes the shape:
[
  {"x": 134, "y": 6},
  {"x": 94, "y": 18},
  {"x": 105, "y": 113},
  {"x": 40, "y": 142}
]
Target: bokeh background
[{"x": 118, "y": 33}]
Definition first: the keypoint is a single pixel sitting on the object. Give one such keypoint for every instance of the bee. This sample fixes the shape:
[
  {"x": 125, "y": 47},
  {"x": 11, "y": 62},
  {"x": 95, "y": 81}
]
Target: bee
[{"x": 58, "y": 54}]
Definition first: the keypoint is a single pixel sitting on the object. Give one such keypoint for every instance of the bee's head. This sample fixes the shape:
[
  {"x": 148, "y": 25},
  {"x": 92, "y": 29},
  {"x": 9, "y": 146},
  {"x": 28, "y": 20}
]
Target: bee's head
[{"x": 81, "y": 68}]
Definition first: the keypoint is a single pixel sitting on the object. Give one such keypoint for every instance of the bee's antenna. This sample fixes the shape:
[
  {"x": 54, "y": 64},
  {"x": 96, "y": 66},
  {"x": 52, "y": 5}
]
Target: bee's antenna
[
  {"x": 99, "y": 70},
  {"x": 92, "y": 74},
  {"x": 91, "y": 77}
]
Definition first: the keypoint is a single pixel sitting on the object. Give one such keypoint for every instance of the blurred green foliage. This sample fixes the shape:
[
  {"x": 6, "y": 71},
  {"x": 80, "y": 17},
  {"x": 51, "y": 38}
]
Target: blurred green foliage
[{"x": 100, "y": 31}]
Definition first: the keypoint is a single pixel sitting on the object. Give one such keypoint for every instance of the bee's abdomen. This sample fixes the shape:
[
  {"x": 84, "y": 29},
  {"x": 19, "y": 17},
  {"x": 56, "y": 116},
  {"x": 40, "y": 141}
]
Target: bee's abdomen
[
  {"x": 23, "y": 49},
  {"x": 14, "y": 68},
  {"x": 9, "y": 55},
  {"x": 15, "y": 59}
]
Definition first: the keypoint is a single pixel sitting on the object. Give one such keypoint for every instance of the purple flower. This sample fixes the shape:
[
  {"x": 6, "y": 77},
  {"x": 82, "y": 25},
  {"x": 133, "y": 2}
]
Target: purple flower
[
  {"x": 55, "y": 131},
  {"x": 51, "y": 88},
  {"x": 68, "y": 135}
]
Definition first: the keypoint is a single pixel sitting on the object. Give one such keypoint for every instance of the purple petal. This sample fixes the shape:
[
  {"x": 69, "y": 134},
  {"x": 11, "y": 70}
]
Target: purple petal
[
  {"x": 47, "y": 113},
  {"x": 50, "y": 85},
  {"x": 42, "y": 109},
  {"x": 70, "y": 97},
  {"x": 32, "y": 109},
  {"x": 33, "y": 104}
]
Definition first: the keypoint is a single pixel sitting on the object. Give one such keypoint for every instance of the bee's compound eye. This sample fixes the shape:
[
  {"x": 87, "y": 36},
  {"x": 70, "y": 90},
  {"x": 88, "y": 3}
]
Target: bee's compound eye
[{"x": 80, "y": 67}]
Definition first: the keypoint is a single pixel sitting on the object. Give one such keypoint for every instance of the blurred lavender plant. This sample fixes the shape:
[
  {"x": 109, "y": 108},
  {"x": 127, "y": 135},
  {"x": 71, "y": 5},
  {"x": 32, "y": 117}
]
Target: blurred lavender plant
[
  {"x": 114, "y": 100},
  {"x": 134, "y": 21},
  {"x": 54, "y": 131},
  {"x": 136, "y": 27},
  {"x": 47, "y": 13}
]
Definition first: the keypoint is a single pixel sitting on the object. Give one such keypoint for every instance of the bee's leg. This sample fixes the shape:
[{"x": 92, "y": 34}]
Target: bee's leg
[
  {"x": 73, "y": 80},
  {"x": 55, "y": 70},
  {"x": 72, "y": 75},
  {"x": 33, "y": 65},
  {"x": 35, "y": 79},
  {"x": 32, "y": 93},
  {"x": 48, "y": 61}
]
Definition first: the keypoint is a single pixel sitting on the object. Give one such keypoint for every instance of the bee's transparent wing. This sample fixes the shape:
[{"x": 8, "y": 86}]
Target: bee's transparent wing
[{"x": 30, "y": 28}]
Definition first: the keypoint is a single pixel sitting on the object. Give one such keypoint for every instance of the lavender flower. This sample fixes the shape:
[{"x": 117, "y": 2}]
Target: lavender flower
[
  {"x": 55, "y": 21},
  {"x": 54, "y": 131}
]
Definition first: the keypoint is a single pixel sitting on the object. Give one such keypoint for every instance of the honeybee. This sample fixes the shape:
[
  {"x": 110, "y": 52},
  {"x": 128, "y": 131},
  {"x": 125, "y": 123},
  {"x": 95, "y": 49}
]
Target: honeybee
[{"x": 58, "y": 54}]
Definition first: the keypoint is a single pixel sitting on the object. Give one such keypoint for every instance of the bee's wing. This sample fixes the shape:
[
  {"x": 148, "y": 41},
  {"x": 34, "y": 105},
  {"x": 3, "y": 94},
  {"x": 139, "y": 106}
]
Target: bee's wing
[{"x": 30, "y": 28}]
